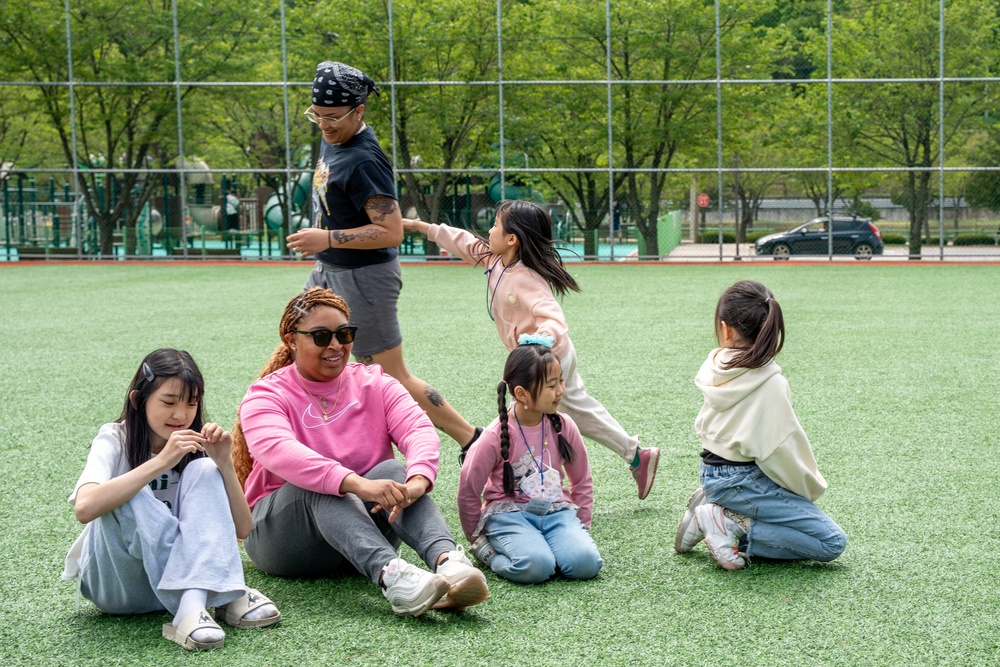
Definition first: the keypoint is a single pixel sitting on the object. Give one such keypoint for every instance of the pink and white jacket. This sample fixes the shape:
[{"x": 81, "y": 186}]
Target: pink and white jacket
[
  {"x": 480, "y": 486},
  {"x": 520, "y": 299}
]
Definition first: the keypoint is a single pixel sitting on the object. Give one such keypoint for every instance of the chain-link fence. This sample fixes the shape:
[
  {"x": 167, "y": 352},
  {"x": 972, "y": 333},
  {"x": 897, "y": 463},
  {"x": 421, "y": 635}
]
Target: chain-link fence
[{"x": 675, "y": 131}]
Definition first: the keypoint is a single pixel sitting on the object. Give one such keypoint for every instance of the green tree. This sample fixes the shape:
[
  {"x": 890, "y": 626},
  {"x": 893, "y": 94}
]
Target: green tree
[
  {"x": 899, "y": 123},
  {"x": 654, "y": 123},
  {"x": 118, "y": 126}
]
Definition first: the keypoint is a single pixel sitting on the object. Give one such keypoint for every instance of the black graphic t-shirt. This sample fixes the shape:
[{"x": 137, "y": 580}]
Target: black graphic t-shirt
[{"x": 347, "y": 175}]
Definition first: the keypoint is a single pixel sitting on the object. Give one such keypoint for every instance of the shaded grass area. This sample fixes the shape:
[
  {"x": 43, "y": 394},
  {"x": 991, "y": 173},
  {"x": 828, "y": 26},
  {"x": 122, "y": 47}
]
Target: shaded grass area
[{"x": 893, "y": 372}]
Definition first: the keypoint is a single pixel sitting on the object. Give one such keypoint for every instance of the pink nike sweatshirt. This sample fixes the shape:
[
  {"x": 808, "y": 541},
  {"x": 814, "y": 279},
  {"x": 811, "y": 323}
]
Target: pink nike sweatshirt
[{"x": 290, "y": 442}]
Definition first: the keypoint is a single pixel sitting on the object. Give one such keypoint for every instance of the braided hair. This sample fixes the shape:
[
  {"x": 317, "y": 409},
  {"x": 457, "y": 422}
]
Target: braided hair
[
  {"x": 752, "y": 311},
  {"x": 300, "y": 306},
  {"x": 527, "y": 366}
]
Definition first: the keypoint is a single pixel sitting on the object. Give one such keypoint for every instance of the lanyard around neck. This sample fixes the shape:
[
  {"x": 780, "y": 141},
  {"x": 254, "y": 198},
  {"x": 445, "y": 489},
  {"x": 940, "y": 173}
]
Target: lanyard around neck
[
  {"x": 541, "y": 455},
  {"x": 490, "y": 297}
]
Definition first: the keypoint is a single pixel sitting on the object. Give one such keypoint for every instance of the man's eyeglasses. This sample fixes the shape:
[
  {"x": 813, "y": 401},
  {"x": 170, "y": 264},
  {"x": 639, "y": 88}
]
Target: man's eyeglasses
[
  {"x": 311, "y": 115},
  {"x": 322, "y": 337}
]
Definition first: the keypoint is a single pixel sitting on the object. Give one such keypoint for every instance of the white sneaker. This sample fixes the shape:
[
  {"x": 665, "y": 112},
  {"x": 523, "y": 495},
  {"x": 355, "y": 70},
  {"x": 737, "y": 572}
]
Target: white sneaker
[
  {"x": 483, "y": 550},
  {"x": 688, "y": 532},
  {"x": 410, "y": 590},
  {"x": 722, "y": 535},
  {"x": 466, "y": 584}
]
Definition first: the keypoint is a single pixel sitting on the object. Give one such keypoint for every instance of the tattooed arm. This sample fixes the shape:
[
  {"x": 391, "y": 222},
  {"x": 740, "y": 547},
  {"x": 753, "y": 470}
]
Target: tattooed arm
[{"x": 384, "y": 231}]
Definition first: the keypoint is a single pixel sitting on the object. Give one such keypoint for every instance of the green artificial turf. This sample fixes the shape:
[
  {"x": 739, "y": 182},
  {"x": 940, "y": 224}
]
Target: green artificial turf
[{"x": 893, "y": 372}]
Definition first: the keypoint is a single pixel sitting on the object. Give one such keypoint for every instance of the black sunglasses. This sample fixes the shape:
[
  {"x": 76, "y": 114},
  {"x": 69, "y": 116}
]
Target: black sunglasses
[{"x": 322, "y": 337}]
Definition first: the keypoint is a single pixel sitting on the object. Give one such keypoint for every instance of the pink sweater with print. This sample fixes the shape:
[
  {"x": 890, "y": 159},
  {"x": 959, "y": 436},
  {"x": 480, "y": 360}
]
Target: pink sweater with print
[
  {"x": 481, "y": 480},
  {"x": 290, "y": 442},
  {"x": 520, "y": 299}
]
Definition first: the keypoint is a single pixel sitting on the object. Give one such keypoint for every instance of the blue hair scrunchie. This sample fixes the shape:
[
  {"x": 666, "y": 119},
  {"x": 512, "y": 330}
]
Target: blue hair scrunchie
[{"x": 543, "y": 339}]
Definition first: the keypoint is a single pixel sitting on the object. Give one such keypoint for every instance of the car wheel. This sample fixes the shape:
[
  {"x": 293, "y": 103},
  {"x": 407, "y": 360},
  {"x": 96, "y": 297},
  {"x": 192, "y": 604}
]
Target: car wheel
[
  {"x": 863, "y": 251},
  {"x": 781, "y": 251}
]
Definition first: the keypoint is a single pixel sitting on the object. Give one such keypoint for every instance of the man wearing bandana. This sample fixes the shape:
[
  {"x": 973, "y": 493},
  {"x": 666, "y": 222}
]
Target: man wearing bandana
[{"x": 356, "y": 230}]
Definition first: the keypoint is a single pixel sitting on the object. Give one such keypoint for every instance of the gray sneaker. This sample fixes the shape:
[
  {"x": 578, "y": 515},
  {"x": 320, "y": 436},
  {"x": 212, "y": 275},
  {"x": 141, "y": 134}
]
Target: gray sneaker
[
  {"x": 410, "y": 590},
  {"x": 721, "y": 535},
  {"x": 688, "y": 532}
]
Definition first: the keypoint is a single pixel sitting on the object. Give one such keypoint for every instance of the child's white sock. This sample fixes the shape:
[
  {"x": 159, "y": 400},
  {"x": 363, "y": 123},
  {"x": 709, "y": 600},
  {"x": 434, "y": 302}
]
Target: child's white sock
[{"x": 195, "y": 599}]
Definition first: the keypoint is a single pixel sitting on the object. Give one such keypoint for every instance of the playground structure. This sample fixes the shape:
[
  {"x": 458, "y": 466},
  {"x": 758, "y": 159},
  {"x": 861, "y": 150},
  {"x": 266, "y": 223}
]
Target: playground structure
[
  {"x": 51, "y": 220},
  {"x": 42, "y": 220}
]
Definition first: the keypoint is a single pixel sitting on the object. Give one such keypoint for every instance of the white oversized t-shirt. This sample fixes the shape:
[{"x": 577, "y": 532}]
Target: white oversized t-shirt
[{"x": 106, "y": 461}]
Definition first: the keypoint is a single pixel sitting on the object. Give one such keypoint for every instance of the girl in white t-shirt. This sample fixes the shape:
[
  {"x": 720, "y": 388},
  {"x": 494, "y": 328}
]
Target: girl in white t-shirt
[{"x": 163, "y": 509}]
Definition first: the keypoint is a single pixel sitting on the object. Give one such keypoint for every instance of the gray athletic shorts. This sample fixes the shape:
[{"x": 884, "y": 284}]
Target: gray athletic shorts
[{"x": 371, "y": 292}]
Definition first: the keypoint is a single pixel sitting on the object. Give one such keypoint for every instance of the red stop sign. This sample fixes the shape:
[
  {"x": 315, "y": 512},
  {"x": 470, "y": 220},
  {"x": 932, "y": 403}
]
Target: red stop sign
[{"x": 703, "y": 200}]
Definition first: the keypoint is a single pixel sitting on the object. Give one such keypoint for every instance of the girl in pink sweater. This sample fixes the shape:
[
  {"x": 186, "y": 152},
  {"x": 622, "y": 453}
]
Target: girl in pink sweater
[
  {"x": 530, "y": 526},
  {"x": 523, "y": 269}
]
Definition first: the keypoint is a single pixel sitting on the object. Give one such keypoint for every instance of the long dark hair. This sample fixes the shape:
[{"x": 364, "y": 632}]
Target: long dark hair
[
  {"x": 158, "y": 367},
  {"x": 753, "y": 312},
  {"x": 527, "y": 366},
  {"x": 532, "y": 226}
]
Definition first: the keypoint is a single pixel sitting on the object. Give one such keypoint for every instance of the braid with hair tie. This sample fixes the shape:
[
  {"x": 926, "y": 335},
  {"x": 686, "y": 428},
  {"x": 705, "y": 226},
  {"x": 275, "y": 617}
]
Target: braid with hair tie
[
  {"x": 508, "y": 469},
  {"x": 300, "y": 306},
  {"x": 565, "y": 451}
]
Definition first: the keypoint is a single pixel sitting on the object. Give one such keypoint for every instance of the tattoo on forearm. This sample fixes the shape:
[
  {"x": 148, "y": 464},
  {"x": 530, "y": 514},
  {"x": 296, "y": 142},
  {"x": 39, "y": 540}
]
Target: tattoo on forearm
[
  {"x": 367, "y": 235},
  {"x": 365, "y": 359},
  {"x": 382, "y": 206},
  {"x": 434, "y": 396}
]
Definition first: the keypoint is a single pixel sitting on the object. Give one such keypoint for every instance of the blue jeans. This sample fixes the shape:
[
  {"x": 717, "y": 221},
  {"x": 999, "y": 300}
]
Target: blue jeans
[
  {"x": 530, "y": 547},
  {"x": 783, "y": 525}
]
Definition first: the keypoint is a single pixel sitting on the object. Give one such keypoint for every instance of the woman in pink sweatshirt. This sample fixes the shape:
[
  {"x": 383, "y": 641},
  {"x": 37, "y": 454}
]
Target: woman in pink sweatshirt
[
  {"x": 314, "y": 449},
  {"x": 523, "y": 269}
]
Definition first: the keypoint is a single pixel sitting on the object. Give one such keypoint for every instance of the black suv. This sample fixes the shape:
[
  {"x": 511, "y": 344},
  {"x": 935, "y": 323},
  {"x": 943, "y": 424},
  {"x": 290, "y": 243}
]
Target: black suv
[{"x": 851, "y": 236}]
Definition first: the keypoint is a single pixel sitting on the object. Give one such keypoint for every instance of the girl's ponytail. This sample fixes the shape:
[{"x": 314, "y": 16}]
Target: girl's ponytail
[
  {"x": 755, "y": 315},
  {"x": 508, "y": 469}
]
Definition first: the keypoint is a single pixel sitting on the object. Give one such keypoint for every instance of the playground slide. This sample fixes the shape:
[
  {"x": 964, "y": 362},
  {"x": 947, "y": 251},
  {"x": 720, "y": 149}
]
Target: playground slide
[{"x": 300, "y": 195}]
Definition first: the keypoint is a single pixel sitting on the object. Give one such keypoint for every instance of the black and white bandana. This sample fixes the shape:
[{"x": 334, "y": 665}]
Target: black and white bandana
[{"x": 340, "y": 85}]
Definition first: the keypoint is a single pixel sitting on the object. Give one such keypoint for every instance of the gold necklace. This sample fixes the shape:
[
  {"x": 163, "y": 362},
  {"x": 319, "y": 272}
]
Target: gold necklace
[{"x": 321, "y": 403}]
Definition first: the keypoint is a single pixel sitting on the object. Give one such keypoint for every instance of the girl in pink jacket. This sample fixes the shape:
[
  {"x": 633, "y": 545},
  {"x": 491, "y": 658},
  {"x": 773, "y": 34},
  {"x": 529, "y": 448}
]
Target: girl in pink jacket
[{"x": 523, "y": 269}]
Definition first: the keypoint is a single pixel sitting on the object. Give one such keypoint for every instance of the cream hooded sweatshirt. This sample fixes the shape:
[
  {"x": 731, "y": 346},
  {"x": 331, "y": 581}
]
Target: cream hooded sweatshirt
[{"x": 748, "y": 416}]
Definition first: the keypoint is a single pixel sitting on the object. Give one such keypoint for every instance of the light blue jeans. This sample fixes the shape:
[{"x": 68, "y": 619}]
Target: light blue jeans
[
  {"x": 140, "y": 558},
  {"x": 783, "y": 525},
  {"x": 530, "y": 547}
]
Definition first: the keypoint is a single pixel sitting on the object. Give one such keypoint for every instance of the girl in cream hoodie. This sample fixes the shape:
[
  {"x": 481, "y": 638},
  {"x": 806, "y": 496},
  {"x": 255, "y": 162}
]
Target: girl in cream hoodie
[{"x": 759, "y": 479}]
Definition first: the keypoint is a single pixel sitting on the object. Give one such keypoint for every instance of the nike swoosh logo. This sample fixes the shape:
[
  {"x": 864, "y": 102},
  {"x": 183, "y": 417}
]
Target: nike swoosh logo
[{"x": 312, "y": 420}]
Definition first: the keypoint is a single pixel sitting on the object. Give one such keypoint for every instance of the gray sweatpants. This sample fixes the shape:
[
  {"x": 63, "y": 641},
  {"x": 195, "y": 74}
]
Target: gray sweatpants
[
  {"x": 592, "y": 418},
  {"x": 140, "y": 557},
  {"x": 300, "y": 533}
]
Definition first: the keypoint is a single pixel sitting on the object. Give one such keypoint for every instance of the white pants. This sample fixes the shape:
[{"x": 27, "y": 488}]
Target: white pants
[
  {"x": 592, "y": 418},
  {"x": 140, "y": 558}
]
